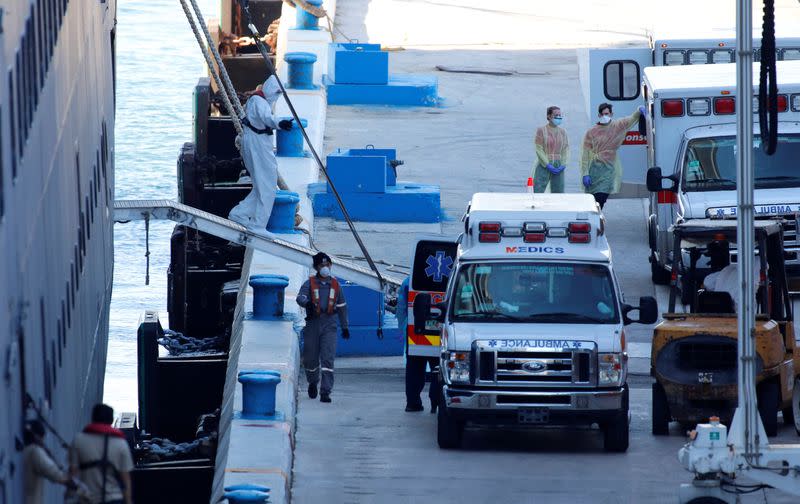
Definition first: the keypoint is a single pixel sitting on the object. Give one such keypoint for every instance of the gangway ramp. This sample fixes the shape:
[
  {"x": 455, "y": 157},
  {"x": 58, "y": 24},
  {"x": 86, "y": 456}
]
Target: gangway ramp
[{"x": 130, "y": 210}]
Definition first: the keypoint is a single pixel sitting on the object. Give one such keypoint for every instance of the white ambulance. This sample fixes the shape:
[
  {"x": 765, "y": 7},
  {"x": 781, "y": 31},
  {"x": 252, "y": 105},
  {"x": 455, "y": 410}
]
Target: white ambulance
[
  {"x": 532, "y": 320},
  {"x": 692, "y": 154},
  {"x": 614, "y": 75}
]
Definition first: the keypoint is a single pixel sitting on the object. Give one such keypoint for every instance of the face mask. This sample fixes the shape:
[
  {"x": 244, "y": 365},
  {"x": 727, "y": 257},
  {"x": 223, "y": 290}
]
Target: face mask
[
  {"x": 605, "y": 119},
  {"x": 325, "y": 271},
  {"x": 556, "y": 121}
]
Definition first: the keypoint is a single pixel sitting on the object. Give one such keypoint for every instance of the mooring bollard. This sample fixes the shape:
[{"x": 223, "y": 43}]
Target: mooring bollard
[
  {"x": 268, "y": 294},
  {"x": 281, "y": 220},
  {"x": 305, "y": 20},
  {"x": 247, "y": 486},
  {"x": 246, "y": 497},
  {"x": 290, "y": 143},
  {"x": 301, "y": 70},
  {"x": 258, "y": 394},
  {"x": 257, "y": 371}
]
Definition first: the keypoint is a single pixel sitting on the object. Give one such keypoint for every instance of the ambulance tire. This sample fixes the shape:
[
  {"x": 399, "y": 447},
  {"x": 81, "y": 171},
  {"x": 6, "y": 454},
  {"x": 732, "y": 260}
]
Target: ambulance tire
[
  {"x": 616, "y": 433},
  {"x": 658, "y": 274},
  {"x": 660, "y": 414},
  {"x": 768, "y": 395},
  {"x": 449, "y": 432}
]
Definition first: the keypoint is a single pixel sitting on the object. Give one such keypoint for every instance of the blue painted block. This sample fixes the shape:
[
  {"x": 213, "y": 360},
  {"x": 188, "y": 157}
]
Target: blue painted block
[
  {"x": 357, "y": 174},
  {"x": 389, "y": 154},
  {"x": 401, "y": 90},
  {"x": 364, "y": 340},
  {"x": 358, "y": 64},
  {"x": 364, "y": 306},
  {"x": 405, "y": 202}
]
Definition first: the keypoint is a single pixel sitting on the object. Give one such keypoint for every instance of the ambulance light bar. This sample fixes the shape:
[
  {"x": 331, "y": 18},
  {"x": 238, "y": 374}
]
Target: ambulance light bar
[
  {"x": 796, "y": 103},
  {"x": 579, "y": 232},
  {"x": 535, "y": 232},
  {"x": 699, "y": 106},
  {"x": 489, "y": 232}
]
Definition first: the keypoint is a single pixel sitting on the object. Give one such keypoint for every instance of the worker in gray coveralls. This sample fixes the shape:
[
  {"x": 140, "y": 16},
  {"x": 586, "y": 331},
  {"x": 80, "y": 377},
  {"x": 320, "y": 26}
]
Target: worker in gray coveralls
[{"x": 322, "y": 297}]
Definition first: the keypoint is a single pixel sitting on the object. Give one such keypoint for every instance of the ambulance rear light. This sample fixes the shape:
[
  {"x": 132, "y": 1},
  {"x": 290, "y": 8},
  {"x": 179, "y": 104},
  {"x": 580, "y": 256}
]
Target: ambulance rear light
[
  {"x": 783, "y": 103},
  {"x": 674, "y": 57},
  {"x": 790, "y": 54},
  {"x": 795, "y": 102},
  {"x": 579, "y": 227},
  {"x": 489, "y": 227},
  {"x": 489, "y": 237},
  {"x": 535, "y": 227},
  {"x": 672, "y": 108},
  {"x": 698, "y": 106},
  {"x": 579, "y": 232},
  {"x": 724, "y": 106},
  {"x": 557, "y": 232},
  {"x": 722, "y": 56},
  {"x": 512, "y": 231},
  {"x": 534, "y": 237}
]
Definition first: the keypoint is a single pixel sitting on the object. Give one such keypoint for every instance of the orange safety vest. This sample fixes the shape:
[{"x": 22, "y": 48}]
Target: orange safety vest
[{"x": 333, "y": 294}]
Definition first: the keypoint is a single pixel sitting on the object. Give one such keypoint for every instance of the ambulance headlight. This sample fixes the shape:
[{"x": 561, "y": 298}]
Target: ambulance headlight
[
  {"x": 458, "y": 367},
  {"x": 611, "y": 369}
]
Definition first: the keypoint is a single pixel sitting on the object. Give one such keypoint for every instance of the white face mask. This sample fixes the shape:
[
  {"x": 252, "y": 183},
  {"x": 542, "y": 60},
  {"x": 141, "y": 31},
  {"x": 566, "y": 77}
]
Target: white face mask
[
  {"x": 325, "y": 271},
  {"x": 605, "y": 119}
]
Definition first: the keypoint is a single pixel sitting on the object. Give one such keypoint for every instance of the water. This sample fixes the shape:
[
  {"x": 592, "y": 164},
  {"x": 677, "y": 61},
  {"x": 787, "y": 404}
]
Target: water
[{"x": 158, "y": 65}]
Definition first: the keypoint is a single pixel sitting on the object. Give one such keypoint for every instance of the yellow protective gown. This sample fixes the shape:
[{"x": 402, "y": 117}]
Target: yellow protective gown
[
  {"x": 552, "y": 147},
  {"x": 599, "y": 157}
]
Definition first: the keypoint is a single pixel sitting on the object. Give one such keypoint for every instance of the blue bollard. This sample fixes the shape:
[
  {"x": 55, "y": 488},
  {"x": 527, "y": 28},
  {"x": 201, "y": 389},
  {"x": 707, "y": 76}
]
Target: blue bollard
[
  {"x": 301, "y": 70},
  {"x": 290, "y": 143},
  {"x": 304, "y": 20},
  {"x": 247, "y": 486},
  {"x": 258, "y": 394},
  {"x": 268, "y": 293},
  {"x": 281, "y": 220},
  {"x": 258, "y": 371},
  {"x": 246, "y": 497}
]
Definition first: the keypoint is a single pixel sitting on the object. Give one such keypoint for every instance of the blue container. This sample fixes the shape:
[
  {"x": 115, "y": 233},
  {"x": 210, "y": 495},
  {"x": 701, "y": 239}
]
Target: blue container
[
  {"x": 290, "y": 143},
  {"x": 258, "y": 394},
  {"x": 246, "y": 497},
  {"x": 268, "y": 293},
  {"x": 281, "y": 220},
  {"x": 304, "y": 20},
  {"x": 301, "y": 70},
  {"x": 247, "y": 486},
  {"x": 358, "y": 64}
]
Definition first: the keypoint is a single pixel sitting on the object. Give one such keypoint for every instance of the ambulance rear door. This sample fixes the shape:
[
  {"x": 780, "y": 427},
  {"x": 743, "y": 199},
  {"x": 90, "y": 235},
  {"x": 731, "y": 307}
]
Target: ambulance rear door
[
  {"x": 615, "y": 77},
  {"x": 432, "y": 265}
]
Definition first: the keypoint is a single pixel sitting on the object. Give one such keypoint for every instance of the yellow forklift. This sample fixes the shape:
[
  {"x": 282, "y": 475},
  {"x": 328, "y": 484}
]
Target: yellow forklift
[{"x": 694, "y": 354}]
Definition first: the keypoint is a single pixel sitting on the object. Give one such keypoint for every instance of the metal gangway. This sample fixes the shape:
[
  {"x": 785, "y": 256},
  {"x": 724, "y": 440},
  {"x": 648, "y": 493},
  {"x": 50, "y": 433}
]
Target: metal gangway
[{"x": 131, "y": 210}]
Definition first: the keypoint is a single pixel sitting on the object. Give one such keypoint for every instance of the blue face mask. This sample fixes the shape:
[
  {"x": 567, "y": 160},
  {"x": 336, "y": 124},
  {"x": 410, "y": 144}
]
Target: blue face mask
[
  {"x": 325, "y": 272},
  {"x": 556, "y": 121}
]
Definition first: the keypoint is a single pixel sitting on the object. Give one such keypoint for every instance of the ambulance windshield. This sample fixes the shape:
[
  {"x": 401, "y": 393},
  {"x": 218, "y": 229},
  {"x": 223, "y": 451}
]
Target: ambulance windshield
[
  {"x": 710, "y": 164},
  {"x": 541, "y": 292}
]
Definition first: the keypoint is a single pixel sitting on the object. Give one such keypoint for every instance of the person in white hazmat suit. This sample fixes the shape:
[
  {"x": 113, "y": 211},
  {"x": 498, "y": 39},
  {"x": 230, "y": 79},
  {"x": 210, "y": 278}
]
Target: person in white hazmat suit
[{"x": 259, "y": 157}]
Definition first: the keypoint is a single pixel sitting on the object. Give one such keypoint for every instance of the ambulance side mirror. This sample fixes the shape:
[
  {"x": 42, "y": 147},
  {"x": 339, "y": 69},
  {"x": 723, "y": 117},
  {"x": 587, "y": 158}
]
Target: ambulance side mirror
[
  {"x": 654, "y": 179},
  {"x": 648, "y": 311},
  {"x": 422, "y": 312}
]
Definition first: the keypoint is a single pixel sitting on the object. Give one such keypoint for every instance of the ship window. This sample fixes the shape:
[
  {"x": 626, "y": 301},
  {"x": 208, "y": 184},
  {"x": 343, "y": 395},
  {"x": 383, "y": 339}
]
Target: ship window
[
  {"x": 47, "y": 374},
  {"x": 53, "y": 356},
  {"x": 92, "y": 204},
  {"x": 40, "y": 42},
  {"x": 86, "y": 213},
  {"x": 12, "y": 126},
  {"x": 61, "y": 6},
  {"x": 69, "y": 312},
  {"x": 73, "y": 271},
  {"x": 64, "y": 321},
  {"x": 48, "y": 30},
  {"x": 22, "y": 100},
  {"x": 48, "y": 391}
]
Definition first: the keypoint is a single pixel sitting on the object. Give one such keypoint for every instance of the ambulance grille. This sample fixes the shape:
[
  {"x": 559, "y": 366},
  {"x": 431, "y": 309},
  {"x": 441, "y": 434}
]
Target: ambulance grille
[{"x": 535, "y": 368}]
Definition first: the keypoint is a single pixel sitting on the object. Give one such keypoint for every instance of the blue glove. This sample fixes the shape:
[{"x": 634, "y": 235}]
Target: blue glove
[
  {"x": 552, "y": 169},
  {"x": 587, "y": 180},
  {"x": 559, "y": 169},
  {"x": 642, "y": 110},
  {"x": 345, "y": 333}
]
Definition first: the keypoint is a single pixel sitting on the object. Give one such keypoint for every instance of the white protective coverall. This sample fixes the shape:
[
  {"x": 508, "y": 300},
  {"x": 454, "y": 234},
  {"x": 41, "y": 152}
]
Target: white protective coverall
[{"x": 259, "y": 157}]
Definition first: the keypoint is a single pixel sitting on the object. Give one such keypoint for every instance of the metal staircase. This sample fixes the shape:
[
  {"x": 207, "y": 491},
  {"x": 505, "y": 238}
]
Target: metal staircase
[{"x": 129, "y": 210}]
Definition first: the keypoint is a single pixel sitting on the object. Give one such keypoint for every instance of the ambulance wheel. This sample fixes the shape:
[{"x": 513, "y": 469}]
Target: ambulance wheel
[
  {"x": 796, "y": 406},
  {"x": 615, "y": 433},
  {"x": 659, "y": 275},
  {"x": 768, "y": 395},
  {"x": 660, "y": 414},
  {"x": 449, "y": 432}
]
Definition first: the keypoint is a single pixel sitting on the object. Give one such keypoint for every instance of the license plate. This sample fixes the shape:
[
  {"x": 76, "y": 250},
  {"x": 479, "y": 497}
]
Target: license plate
[{"x": 533, "y": 415}]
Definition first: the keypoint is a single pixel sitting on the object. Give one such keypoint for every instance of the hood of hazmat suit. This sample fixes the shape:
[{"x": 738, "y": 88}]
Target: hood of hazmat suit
[{"x": 599, "y": 157}]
